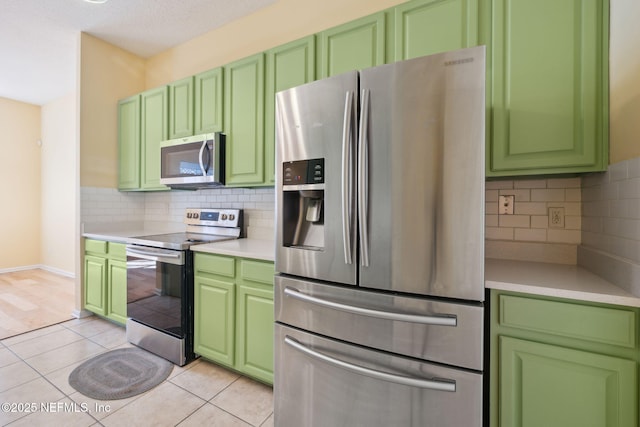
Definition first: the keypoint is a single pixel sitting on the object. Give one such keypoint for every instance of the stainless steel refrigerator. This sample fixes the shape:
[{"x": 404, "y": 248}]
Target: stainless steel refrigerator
[{"x": 380, "y": 246}]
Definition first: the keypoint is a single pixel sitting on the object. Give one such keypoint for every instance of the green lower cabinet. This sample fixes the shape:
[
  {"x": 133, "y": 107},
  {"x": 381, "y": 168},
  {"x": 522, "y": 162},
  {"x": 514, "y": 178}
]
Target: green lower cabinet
[
  {"x": 95, "y": 284},
  {"x": 552, "y": 386},
  {"x": 233, "y": 313},
  {"x": 562, "y": 363},
  {"x": 214, "y": 314},
  {"x": 117, "y": 291},
  {"x": 254, "y": 332},
  {"x": 105, "y": 279}
]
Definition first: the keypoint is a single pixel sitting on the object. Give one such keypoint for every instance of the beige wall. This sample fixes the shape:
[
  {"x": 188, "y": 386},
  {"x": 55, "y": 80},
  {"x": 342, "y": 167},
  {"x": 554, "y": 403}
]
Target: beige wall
[
  {"x": 106, "y": 74},
  {"x": 625, "y": 80},
  {"x": 281, "y": 22},
  {"x": 59, "y": 184},
  {"x": 20, "y": 164}
]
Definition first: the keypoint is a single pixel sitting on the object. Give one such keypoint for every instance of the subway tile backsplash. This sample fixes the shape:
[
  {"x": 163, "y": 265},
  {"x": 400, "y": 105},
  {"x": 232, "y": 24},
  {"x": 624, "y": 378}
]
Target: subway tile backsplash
[
  {"x": 530, "y": 220},
  {"x": 611, "y": 210},
  {"x": 107, "y": 205}
]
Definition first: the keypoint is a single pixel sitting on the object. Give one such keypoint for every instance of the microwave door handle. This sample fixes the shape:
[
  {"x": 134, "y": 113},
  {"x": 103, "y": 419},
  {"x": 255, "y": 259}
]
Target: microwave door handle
[{"x": 201, "y": 159}]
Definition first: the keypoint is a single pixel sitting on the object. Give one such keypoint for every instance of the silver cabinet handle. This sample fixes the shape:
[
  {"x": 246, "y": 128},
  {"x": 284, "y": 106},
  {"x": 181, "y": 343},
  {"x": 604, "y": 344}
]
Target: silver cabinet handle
[
  {"x": 347, "y": 177},
  {"x": 363, "y": 179},
  {"x": 433, "y": 384},
  {"x": 201, "y": 159},
  {"x": 439, "y": 320}
]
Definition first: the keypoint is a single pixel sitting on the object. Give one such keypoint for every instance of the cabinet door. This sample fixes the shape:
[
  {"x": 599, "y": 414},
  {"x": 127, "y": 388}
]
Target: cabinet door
[
  {"x": 549, "y": 93},
  {"x": 545, "y": 385},
  {"x": 117, "y": 291},
  {"x": 244, "y": 121},
  {"x": 154, "y": 131},
  {"x": 95, "y": 284},
  {"x": 254, "y": 332},
  {"x": 208, "y": 102},
  {"x": 353, "y": 46},
  {"x": 129, "y": 143},
  {"x": 433, "y": 26},
  {"x": 214, "y": 319},
  {"x": 181, "y": 108},
  {"x": 288, "y": 66}
]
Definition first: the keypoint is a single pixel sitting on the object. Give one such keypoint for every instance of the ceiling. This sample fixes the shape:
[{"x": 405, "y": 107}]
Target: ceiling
[{"x": 38, "y": 38}]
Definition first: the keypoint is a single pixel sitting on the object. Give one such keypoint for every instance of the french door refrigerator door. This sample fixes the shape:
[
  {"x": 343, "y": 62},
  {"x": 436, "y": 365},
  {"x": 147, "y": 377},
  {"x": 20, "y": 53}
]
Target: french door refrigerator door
[
  {"x": 316, "y": 127},
  {"x": 330, "y": 383},
  {"x": 421, "y": 175}
]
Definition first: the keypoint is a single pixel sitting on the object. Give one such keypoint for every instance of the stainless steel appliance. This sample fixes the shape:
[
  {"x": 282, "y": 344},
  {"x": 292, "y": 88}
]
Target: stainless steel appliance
[
  {"x": 380, "y": 246},
  {"x": 160, "y": 282},
  {"x": 193, "y": 162}
]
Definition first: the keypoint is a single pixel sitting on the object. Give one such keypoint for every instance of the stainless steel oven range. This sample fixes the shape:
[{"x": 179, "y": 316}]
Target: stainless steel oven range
[{"x": 160, "y": 282}]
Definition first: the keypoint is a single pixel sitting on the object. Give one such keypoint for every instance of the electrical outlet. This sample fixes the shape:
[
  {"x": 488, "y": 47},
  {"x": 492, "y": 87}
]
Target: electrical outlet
[
  {"x": 556, "y": 217},
  {"x": 505, "y": 205}
]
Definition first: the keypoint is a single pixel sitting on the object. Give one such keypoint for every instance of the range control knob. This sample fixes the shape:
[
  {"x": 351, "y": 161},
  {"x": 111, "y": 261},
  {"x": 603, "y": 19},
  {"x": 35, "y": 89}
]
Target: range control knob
[
  {"x": 195, "y": 215},
  {"x": 232, "y": 217},
  {"x": 223, "y": 217}
]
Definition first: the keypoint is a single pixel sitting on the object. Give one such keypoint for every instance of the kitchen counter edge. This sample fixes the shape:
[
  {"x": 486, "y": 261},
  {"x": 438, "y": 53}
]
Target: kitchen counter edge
[
  {"x": 555, "y": 280},
  {"x": 245, "y": 248}
]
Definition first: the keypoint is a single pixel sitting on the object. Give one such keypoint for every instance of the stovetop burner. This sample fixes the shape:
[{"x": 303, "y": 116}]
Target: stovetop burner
[{"x": 203, "y": 226}]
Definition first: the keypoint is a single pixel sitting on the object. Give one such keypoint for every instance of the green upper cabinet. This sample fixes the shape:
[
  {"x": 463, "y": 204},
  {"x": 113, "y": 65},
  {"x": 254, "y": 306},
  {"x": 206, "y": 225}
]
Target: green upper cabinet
[
  {"x": 353, "y": 46},
  {"x": 129, "y": 143},
  {"x": 548, "y": 86},
  {"x": 244, "y": 121},
  {"x": 287, "y": 66},
  {"x": 208, "y": 101},
  {"x": 426, "y": 27},
  {"x": 153, "y": 131},
  {"x": 181, "y": 110}
]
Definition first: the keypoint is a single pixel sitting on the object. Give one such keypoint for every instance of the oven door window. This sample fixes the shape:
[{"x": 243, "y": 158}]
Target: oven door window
[
  {"x": 187, "y": 160},
  {"x": 154, "y": 294}
]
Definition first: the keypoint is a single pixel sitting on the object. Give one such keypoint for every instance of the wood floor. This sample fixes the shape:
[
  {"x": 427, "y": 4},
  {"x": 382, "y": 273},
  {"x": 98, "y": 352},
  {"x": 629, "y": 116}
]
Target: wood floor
[{"x": 32, "y": 299}]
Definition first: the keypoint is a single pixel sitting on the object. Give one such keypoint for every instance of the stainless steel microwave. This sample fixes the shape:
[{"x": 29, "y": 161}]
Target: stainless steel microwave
[{"x": 193, "y": 162}]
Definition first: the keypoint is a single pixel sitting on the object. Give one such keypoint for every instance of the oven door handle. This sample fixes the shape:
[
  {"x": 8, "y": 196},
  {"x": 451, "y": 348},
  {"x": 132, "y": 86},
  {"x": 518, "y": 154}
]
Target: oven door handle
[
  {"x": 171, "y": 257},
  {"x": 437, "y": 320},
  {"x": 431, "y": 384}
]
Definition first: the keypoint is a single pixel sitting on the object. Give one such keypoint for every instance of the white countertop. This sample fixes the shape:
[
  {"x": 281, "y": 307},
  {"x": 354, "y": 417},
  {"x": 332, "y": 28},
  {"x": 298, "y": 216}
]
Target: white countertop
[
  {"x": 245, "y": 248},
  {"x": 554, "y": 280},
  {"x": 262, "y": 249}
]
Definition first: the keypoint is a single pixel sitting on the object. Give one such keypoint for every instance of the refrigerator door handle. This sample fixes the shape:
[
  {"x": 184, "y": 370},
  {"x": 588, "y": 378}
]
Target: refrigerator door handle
[
  {"x": 432, "y": 384},
  {"x": 363, "y": 178},
  {"x": 436, "y": 320},
  {"x": 347, "y": 177}
]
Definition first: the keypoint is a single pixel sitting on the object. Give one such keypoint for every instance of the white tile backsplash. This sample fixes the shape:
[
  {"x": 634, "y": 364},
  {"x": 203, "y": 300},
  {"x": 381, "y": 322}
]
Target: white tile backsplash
[
  {"x": 533, "y": 198},
  {"x": 107, "y": 205}
]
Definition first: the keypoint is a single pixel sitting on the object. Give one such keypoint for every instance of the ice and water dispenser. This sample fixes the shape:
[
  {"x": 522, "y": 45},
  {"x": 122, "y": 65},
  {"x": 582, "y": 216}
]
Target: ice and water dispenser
[{"x": 303, "y": 200}]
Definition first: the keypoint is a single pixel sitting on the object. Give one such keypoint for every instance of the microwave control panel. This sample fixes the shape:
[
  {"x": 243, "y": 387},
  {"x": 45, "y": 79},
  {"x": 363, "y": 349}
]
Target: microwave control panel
[{"x": 303, "y": 172}]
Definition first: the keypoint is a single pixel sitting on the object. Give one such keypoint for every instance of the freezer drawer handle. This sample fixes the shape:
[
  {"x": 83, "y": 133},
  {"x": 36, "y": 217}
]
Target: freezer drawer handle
[
  {"x": 440, "y": 320},
  {"x": 439, "y": 385}
]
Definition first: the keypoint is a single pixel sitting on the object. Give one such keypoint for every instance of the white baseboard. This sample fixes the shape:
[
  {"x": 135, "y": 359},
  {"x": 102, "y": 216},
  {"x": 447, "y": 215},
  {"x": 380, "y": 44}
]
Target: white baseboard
[{"x": 41, "y": 267}]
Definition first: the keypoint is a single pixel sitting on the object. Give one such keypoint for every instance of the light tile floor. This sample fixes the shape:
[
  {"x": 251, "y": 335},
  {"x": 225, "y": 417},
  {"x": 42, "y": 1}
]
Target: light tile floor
[{"x": 34, "y": 371}]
